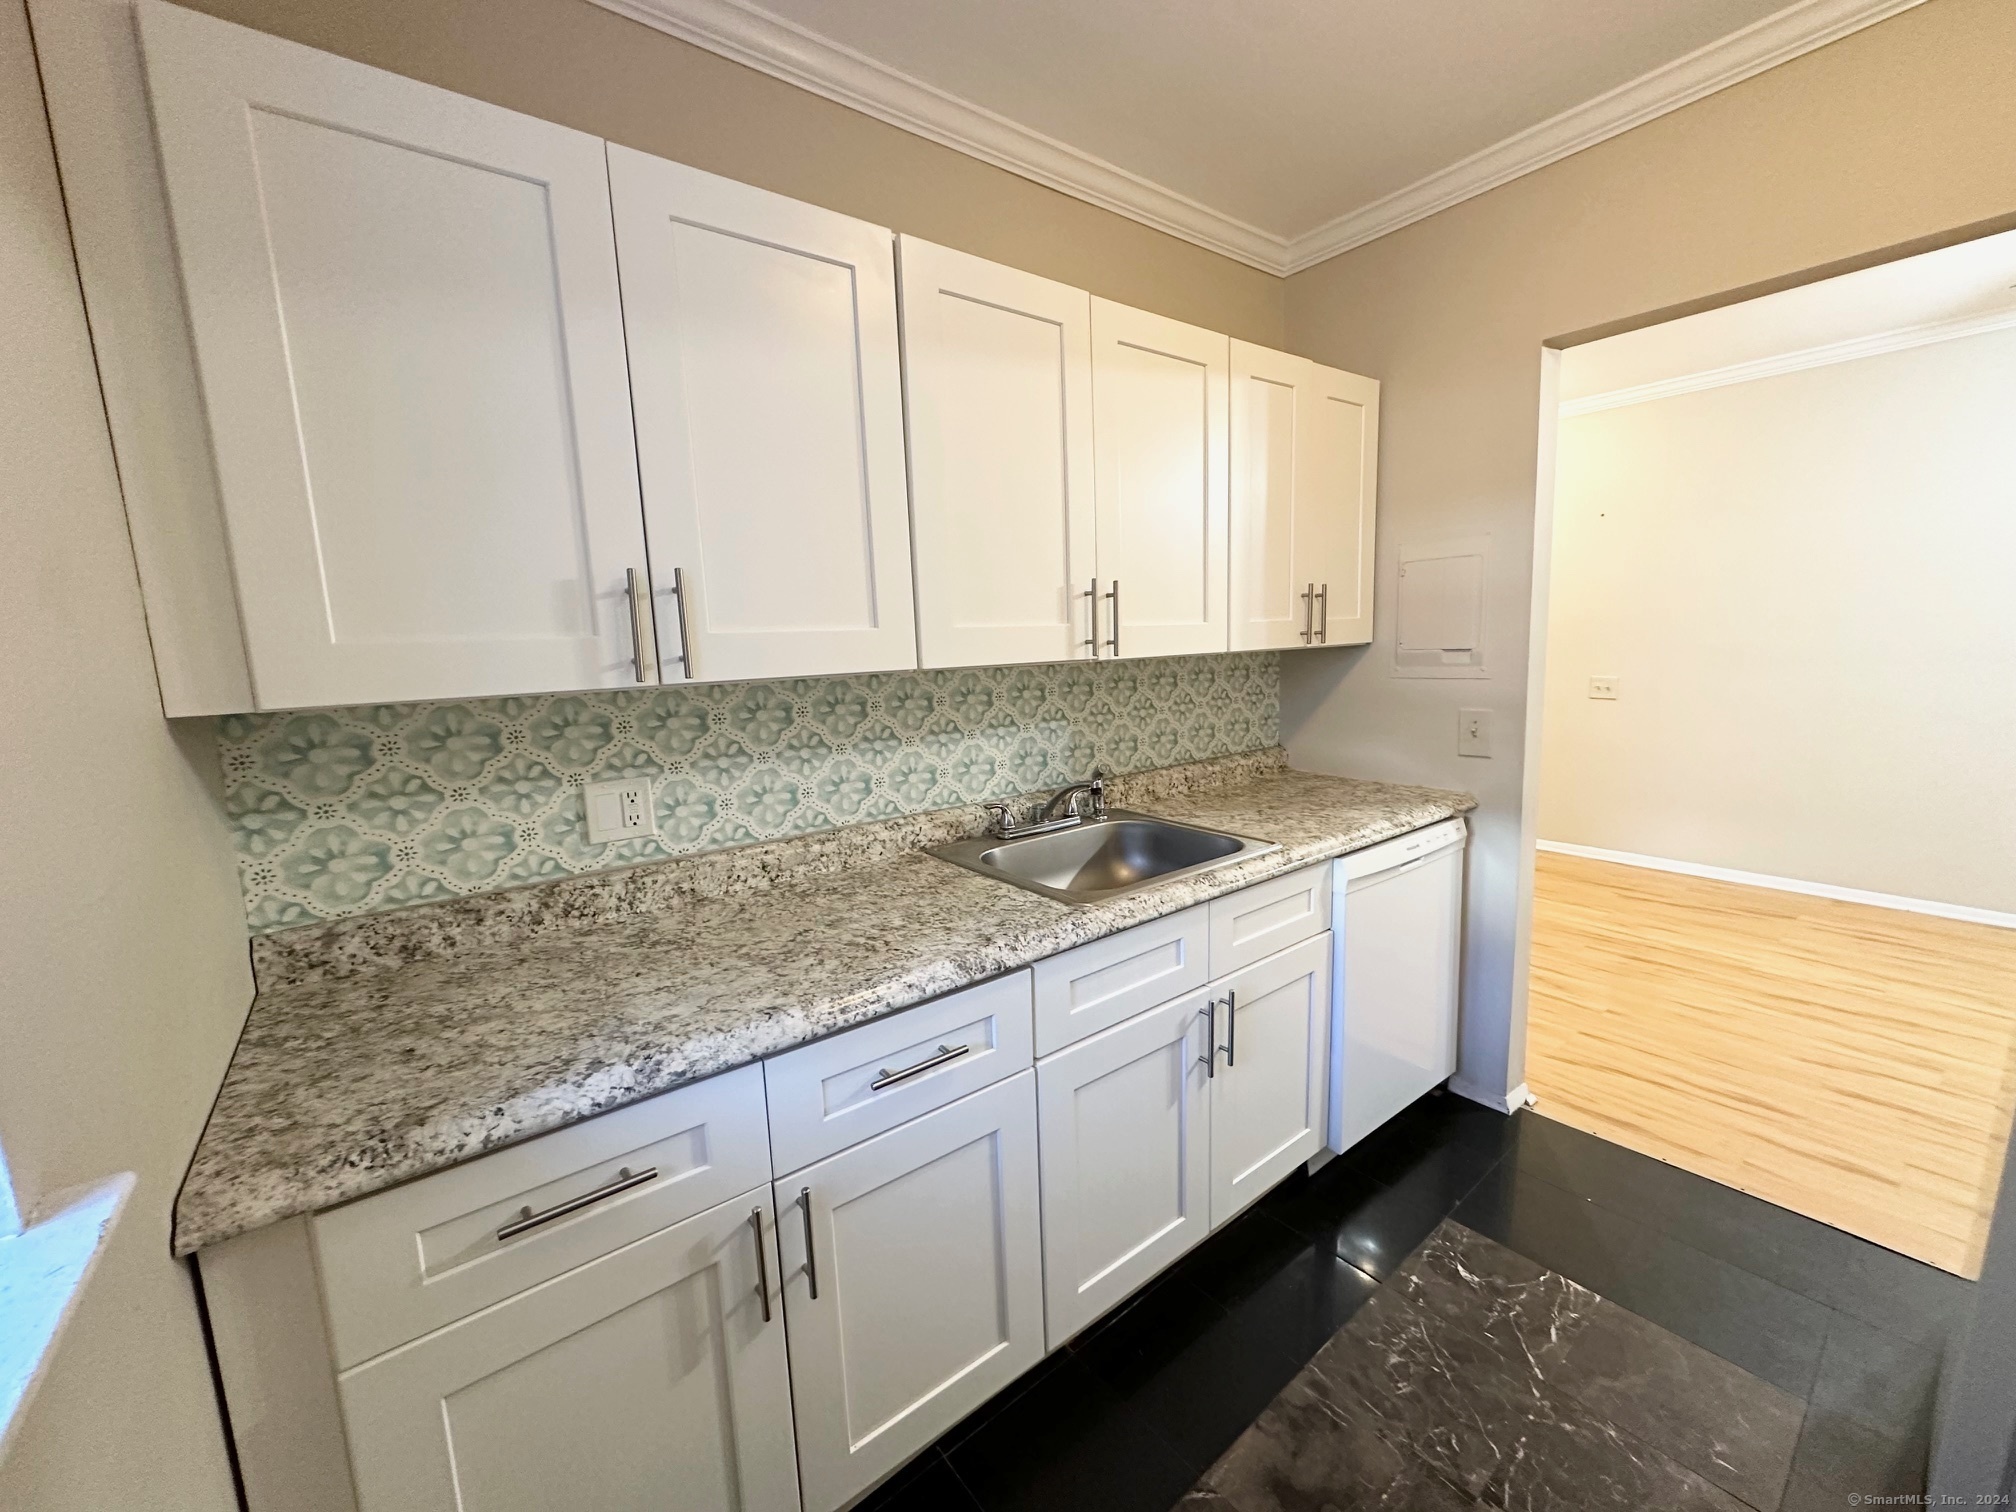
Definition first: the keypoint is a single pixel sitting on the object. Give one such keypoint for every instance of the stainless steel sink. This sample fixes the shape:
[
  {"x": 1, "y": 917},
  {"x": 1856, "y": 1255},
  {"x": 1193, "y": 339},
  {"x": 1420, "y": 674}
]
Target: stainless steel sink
[{"x": 1103, "y": 858}]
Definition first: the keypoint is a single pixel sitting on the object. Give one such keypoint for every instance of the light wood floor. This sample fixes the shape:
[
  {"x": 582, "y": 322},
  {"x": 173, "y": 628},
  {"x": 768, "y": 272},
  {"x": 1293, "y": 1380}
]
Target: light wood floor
[{"x": 1855, "y": 1064}]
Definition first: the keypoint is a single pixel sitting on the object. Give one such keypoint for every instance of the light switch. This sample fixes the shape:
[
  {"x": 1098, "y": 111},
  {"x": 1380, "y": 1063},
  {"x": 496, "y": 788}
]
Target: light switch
[
  {"x": 1473, "y": 732},
  {"x": 618, "y": 810},
  {"x": 1602, "y": 687}
]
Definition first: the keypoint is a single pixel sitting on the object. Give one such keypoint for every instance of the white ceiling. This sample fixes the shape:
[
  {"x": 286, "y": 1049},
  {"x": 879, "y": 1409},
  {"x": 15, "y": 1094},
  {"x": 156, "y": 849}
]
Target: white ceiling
[
  {"x": 1957, "y": 291},
  {"x": 1281, "y": 131}
]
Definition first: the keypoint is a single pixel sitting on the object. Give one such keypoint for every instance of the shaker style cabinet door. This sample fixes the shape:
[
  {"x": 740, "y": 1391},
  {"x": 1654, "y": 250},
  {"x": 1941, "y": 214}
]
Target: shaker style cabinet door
[
  {"x": 1267, "y": 1100},
  {"x": 1160, "y": 417},
  {"x": 913, "y": 1284},
  {"x": 410, "y": 342},
  {"x": 1126, "y": 1125},
  {"x": 1305, "y": 467},
  {"x": 1335, "y": 512},
  {"x": 998, "y": 374},
  {"x": 768, "y": 388},
  {"x": 648, "y": 1378}
]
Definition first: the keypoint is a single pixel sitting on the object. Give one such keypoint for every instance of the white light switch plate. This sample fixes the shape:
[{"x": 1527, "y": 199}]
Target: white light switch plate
[
  {"x": 619, "y": 809},
  {"x": 1473, "y": 732},
  {"x": 1602, "y": 687}
]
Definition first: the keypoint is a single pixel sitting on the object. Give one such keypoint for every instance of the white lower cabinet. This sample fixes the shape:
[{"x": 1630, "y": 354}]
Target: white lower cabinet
[
  {"x": 913, "y": 1284},
  {"x": 1126, "y": 1125},
  {"x": 649, "y": 1378},
  {"x": 1267, "y": 1099}
]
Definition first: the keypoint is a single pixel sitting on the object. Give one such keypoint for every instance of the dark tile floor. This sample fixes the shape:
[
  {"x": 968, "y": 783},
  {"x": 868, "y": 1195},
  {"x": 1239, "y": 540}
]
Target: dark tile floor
[{"x": 1129, "y": 1416}]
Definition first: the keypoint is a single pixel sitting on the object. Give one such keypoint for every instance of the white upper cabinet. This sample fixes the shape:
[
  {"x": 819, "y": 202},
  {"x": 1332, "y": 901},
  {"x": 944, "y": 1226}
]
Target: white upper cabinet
[
  {"x": 766, "y": 378},
  {"x": 998, "y": 368},
  {"x": 1305, "y": 461},
  {"x": 1159, "y": 396},
  {"x": 407, "y": 326}
]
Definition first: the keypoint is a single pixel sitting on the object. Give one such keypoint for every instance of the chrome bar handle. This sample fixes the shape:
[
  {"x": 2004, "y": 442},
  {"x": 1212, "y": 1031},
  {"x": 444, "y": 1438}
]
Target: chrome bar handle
[
  {"x": 635, "y": 590},
  {"x": 1231, "y": 1028},
  {"x": 1309, "y": 614},
  {"x": 886, "y": 1078},
  {"x": 1113, "y": 621},
  {"x": 811, "y": 1264},
  {"x": 762, "y": 1261},
  {"x": 1091, "y": 596},
  {"x": 1209, "y": 1013},
  {"x": 1323, "y": 628},
  {"x": 685, "y": 656},
  {"x": 622, "y": 1181}
]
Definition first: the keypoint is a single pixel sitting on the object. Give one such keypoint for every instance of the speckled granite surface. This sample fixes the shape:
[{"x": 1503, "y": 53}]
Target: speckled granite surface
[{"x": 399, "y": 1044}]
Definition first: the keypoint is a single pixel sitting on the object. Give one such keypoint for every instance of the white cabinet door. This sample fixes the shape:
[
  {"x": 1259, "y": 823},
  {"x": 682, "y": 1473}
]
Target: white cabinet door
[
  {"x": 1399, "y": 944},
  {"x": 649, "y": 1378},
  {"x": 998, "y": 379},
  {"x": 1335, "y": 510},
  {"x": 1126, "y": 1126},
  {"x": 406, "y": 318},
  {"x": 1305, "y": 461},
  {"x": 1159, "y": 397},
  {"x": 913, "y": 1283},
  {"x": 769, "y": 396},
  {"x": 1267, "y": 1110}
]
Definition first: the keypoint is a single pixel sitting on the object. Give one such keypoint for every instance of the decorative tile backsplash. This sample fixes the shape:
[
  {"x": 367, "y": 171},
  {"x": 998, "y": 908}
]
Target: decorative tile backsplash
[{"x": 349, "y": 811}]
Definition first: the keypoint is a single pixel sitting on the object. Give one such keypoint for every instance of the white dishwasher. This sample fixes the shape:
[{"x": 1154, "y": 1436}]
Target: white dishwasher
[{"x": 1397, "y": 921}]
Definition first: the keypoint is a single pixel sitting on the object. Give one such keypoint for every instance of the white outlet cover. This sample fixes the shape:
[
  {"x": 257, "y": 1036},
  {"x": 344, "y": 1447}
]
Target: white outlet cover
[
  {"x": 619, "y": 809},
  {"x": 1602, "y": 687}
]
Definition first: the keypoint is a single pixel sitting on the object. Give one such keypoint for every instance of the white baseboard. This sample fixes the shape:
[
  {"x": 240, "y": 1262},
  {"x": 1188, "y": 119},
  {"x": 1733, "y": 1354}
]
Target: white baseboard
[
  {"x": 1501, "y": 1102},
  {"x": 1938, "y": 910}
]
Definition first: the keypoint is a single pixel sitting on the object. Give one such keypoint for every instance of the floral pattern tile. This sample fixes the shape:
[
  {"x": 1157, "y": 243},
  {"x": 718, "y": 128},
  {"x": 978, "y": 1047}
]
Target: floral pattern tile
[{"x": 349, "y": 811}]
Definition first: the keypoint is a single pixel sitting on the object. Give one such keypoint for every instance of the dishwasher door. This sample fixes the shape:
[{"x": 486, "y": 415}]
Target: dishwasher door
[{"x": 1397, "y": 917}]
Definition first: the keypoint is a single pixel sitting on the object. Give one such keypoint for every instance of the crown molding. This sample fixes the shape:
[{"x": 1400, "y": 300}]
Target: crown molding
[
  {"x": 1740, "y": 55},
  {"x": 1856, "y": 347},
  {"x": 787, "y": 51}
]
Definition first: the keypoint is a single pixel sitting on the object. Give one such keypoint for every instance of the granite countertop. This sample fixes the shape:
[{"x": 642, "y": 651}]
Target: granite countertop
[{"x": 399, "y": 1044}]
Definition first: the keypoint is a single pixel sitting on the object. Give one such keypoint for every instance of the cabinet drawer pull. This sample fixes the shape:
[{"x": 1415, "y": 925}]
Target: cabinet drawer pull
[
  {"x": 1092, "y": 609},
  {"x": 811, "y": 1264},
  {"x": 946, "y": 1054},
  {"x": 622, "y": 1181},
  {"x": 633, "y": 587},
  {"x": 762, "y": 1262},
  {"x": 1231, "y": 1027},
  {"x": 1209, "y": 1013}
]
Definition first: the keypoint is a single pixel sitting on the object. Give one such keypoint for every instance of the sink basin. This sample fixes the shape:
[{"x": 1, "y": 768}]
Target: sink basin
[{"x": 1103, "y": 858}]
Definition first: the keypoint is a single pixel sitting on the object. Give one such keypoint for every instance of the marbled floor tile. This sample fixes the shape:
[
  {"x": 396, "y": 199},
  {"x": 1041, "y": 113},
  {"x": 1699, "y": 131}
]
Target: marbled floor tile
[
  {"x": 1699, "y": 1410},
  {"x": 1458, "y": 1385}
]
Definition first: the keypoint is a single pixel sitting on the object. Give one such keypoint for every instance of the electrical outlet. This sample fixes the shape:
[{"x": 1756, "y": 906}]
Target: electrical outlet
[
  {"x": 1602, "y": 687},
  {"x": 618, "y": 810},
  {"x": 1473, "y": 732}
]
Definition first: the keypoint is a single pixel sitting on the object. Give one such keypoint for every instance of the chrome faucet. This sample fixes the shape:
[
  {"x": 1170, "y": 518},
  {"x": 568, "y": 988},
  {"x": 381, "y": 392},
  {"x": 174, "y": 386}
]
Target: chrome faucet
[{"x": 1005, "y": 826}]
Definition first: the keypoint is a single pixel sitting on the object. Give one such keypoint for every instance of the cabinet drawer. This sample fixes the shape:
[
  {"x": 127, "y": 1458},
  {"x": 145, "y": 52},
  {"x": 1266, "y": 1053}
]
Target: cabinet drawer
[
  {"x": 840, "y": 1091},
  {"x": 1253, "y": 923},
  {"x": 404, "y": 1262},
  {"x": 1097, "y": 986}
]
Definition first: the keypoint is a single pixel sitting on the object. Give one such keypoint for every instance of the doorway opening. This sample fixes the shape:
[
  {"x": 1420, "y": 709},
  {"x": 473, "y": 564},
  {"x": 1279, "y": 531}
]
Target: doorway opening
[{"x": 1774, "y": 902}]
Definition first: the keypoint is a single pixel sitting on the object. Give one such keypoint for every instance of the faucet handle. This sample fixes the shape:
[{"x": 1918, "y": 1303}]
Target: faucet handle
[{"x": 1003, "y": 817}]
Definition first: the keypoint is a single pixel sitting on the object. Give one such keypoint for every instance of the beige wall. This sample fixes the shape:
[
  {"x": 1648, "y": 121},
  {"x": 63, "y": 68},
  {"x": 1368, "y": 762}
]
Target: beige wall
[
  {"x": 123, "y": 966},
  {"x": 1802, "y": 584},
  {"x": 1905, "y": 130},
  {"x": 573, "y": 62}
]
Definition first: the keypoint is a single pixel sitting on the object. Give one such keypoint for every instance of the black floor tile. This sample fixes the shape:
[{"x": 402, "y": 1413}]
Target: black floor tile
[
  {"x": 1073, "y": 1442},
  {"x": 926, "y": 1484},
  {"x": 1767, "y": 1329},
  {"x": 1786, "y": 1248},
  {"x": 1241, "y": 1257},
  {"x": 1430, "y": 1126}
]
